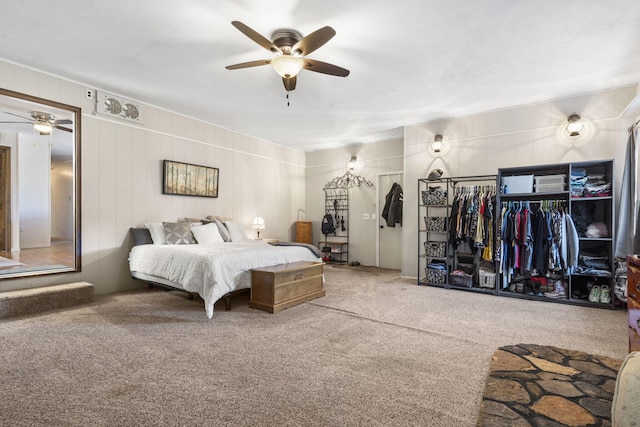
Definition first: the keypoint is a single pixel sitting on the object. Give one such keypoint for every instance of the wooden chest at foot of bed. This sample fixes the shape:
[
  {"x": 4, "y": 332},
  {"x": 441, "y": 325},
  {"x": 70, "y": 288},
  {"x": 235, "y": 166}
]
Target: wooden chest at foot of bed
[{"x": 282, "y": 286}]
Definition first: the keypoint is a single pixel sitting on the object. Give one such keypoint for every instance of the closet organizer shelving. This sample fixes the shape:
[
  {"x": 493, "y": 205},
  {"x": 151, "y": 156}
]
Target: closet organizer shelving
[
  {"x": 445, "y": 260},
  {"x": 335, "y": 246},
  {"x": 584, "y": 192}
]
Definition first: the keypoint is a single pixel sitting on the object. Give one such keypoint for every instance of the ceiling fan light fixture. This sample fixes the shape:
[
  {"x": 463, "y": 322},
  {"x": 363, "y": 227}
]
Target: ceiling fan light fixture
[
  {"x": 287, "y": 66},
  {"x": 42, "y": 127}
]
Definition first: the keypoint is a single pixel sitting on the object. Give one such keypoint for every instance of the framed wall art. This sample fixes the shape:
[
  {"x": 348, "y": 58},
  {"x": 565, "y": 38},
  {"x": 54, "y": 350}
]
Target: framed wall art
[{"x": 185, "y": 179}]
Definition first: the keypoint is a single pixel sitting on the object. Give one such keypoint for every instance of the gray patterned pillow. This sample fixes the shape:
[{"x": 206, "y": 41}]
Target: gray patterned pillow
[
  {"x": 223, "y": 231},
  {"x": 178, "y": 233}
]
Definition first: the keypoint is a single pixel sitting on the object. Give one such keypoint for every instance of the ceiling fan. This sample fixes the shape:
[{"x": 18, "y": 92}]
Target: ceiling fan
[
  {"x": 43, "y": 122},
  {"x": 290, "y": 50}
]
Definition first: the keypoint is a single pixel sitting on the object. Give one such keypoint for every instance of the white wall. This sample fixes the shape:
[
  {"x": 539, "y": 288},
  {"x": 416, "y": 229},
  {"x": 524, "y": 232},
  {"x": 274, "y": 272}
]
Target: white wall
[
  {"x": 62, "y": 201},
  {"x": 520, "y": 136},
  {"x": 122, "y": 174},
  {"x": 34, "y": 184},
  {"x": 324, "y": 165},
  {"x": 121, "y": 169}
]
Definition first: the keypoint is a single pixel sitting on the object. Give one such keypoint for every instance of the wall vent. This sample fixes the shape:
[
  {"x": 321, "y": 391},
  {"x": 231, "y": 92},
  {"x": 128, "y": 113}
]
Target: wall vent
[{"x": 116, "y": 106}]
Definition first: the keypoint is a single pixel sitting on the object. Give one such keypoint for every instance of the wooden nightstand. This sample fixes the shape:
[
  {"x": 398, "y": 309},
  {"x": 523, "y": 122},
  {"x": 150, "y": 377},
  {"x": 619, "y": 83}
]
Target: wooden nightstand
[{"x": 304, "y": 232}]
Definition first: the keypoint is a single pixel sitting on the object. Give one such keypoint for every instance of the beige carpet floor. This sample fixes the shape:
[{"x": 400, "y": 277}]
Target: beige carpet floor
[{"x": 377, "y": 350}]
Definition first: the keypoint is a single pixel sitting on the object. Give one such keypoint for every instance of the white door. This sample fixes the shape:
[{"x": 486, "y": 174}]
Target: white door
[{"x": 389, "y": 238}]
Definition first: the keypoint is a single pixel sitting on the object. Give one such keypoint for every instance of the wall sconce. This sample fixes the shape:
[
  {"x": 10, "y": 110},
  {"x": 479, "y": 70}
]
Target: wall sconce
[
  {"x": 436, "y": 145},
  {"x": 258, "y": 224},
  {"x": 574, "y": 125},
  {"x": 353, "y": 163}
]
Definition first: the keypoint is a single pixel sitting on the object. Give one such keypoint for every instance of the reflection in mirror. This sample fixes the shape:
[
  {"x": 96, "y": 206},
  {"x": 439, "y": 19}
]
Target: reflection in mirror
[{"x": 39, "y": 186}]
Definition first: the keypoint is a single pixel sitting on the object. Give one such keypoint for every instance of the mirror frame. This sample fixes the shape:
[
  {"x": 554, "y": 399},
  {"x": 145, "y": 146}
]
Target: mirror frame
[{"x": 77, "y": 119}]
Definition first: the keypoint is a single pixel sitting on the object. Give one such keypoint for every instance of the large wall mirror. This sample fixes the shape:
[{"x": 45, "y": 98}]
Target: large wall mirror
[{"x": 39, "y": 186}]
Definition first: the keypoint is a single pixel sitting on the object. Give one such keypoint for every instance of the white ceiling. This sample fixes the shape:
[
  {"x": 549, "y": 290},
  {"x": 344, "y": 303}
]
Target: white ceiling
[{"x": 411, "y": 61}]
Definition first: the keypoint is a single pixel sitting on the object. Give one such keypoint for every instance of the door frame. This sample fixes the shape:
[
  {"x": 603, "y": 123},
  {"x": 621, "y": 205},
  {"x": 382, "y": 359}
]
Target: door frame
[
  {"x": 5, "y": 183},
  {"x": 379, "y": 207}
]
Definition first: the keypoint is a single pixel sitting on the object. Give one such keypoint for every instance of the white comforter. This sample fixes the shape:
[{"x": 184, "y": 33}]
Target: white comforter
[{"x": 215, "y": 269}]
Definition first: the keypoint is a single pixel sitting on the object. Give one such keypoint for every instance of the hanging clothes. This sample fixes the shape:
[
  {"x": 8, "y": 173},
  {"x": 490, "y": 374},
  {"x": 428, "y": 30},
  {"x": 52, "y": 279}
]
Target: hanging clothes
[
  {"x": 392, "y": 211},
  {"x": 470, "y": 219},
  {"x": 537, "y": 241},
  {"x": 628, "y": 237}
]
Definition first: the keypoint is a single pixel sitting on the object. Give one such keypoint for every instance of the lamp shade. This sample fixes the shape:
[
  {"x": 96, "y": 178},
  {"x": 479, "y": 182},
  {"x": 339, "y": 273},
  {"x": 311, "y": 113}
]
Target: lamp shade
[
  {"x": 287, "y": 66},
  {"x": 258, "y": 223}
]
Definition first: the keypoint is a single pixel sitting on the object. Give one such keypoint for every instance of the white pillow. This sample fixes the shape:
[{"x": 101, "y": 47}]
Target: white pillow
[
  {"x": 156, "y": 229},
  {"x": 206, "y": 234},
  {"x": 236, "y": 231}
]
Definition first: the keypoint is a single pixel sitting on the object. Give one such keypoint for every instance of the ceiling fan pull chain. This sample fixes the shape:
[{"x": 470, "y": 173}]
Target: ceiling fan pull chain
[{"x": 287, "y": 98}]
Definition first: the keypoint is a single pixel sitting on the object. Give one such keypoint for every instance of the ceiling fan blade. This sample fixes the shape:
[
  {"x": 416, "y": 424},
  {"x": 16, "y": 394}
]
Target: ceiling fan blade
[
  {"x": 289, "y": 83},
  {"x": 16, "y": 115},
  {"x": 313, "y": 41},
  {"x": 256, "y": 37},
  {"x": 62, "y": 128},
  {"x": 26, "y": 123},
  {"x": 62, "y": 122},
  {"x": 248, "y": 64},
  {"x": 325, "y": 68}
]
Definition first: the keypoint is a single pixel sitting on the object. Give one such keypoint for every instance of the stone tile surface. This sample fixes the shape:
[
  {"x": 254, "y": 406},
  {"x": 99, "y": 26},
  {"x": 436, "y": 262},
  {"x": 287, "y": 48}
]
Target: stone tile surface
[{"x": 539, "y": 386}]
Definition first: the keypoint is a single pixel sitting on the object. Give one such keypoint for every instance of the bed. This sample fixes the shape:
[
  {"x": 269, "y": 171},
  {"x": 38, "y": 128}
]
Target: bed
[{"x": 211, "y": 270}]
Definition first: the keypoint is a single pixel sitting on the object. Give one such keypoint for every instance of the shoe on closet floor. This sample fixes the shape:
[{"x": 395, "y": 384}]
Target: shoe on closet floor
[
  {"x": 605, "y": 294},
  {"x": 594, "y": 293},
  {"x": 558, "y": 290}
]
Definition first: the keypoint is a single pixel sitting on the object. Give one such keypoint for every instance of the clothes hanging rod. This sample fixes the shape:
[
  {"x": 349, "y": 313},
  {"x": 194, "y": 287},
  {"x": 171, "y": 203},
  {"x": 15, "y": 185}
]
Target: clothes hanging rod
[
  {"x": 462, "y": 179},
  {"x": 534, "y": 201}
]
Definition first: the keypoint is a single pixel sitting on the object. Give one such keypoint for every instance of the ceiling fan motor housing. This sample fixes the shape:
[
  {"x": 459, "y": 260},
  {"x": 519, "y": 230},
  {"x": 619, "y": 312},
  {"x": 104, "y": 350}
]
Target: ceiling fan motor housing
[{"x": 285, "y": 39}]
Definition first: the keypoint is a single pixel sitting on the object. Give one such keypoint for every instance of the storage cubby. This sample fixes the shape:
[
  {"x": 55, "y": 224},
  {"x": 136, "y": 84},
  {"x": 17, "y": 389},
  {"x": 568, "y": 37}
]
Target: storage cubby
[
  {"x": 434, "y": 262},
  {"x": 446, "y": 258},
  {"x": 583, "y": 192}
]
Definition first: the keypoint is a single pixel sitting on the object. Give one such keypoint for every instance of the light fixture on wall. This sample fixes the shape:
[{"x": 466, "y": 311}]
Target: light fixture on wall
[
  {"x": 353, "y": 162},
  {"x": 258, "y": 224},
  {"x": 574, "y": 125},
  {"x": 351, "y": 178},
  {"x": 436, "y": 145}
]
